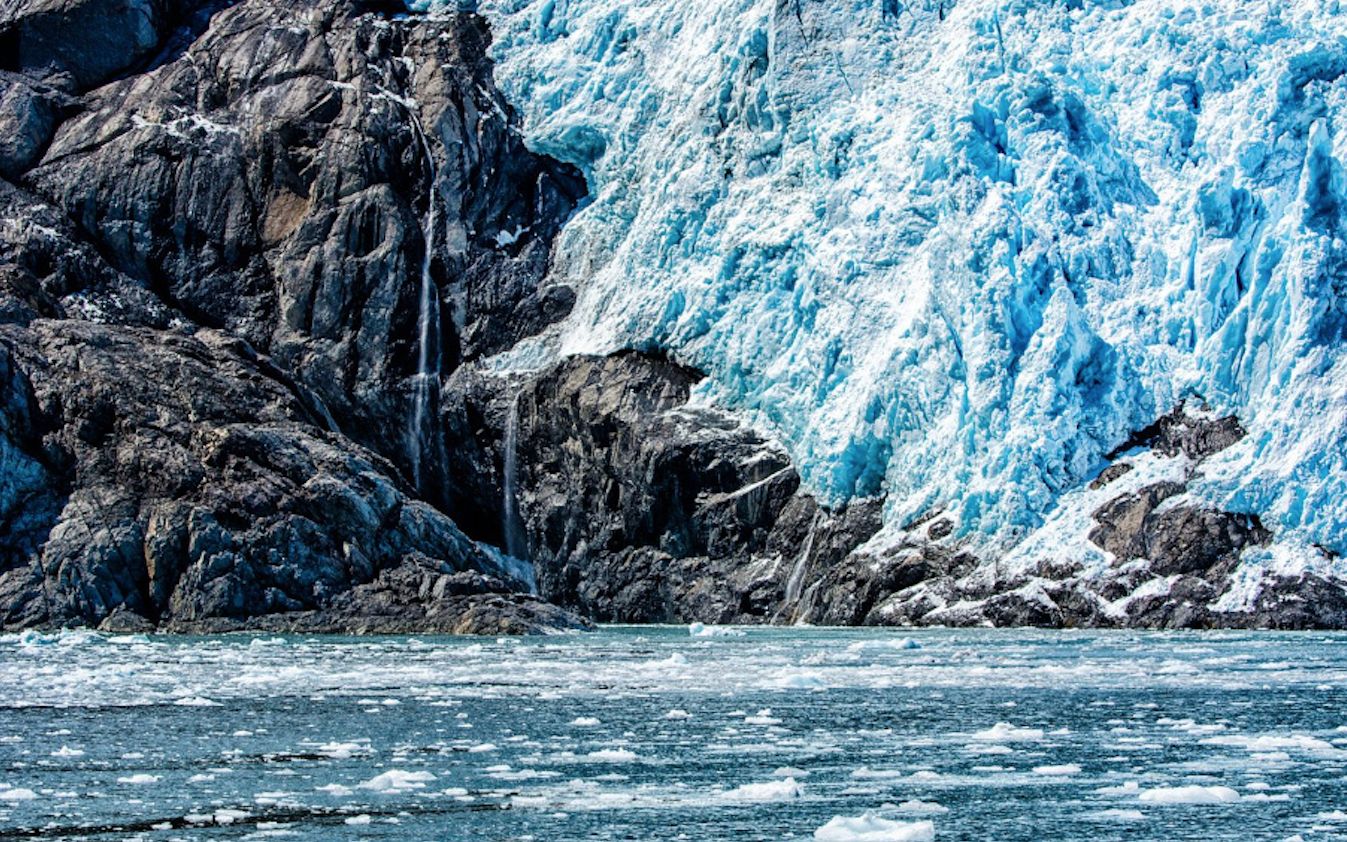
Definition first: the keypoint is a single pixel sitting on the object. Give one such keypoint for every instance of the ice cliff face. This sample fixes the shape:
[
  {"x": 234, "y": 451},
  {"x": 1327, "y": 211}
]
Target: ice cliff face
[{"x": 954, "y": 252}]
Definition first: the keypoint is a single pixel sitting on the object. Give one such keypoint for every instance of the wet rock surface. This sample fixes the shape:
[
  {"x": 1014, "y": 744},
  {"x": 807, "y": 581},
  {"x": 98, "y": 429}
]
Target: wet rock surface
[
  {"x": 215, "y": 228},
  {"x": 636, "y": 506},
  {"x": 1163, "y": 560}
]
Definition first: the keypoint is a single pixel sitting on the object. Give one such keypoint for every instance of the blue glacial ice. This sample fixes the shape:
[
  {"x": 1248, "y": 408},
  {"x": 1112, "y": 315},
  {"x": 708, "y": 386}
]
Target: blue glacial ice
[{"x": 954, "y": 251}]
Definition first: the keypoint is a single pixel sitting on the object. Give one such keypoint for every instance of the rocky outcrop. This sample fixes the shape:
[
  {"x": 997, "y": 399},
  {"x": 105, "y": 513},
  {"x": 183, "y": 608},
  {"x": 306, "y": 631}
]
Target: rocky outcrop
[
  {"x": 636, "y": 506},
  {"x": 295, "y": 175},
  {"x": 1161, "y": 558},
  {"x": 174, "y": 478},
  {"x": 212, "y": 274}
]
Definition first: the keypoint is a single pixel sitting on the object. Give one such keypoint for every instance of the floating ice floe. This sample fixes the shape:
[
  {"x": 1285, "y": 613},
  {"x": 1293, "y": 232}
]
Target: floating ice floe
[
  {"x": 762, "y": 717},
  {"x": 916, "y": 805},
  {"x": 1059, "y": 770},
  {"x": 1004, "y": 732},
  {"x": 1194, "y": 794},
  {"x": 397, "y": 780},
  {"x": 1270, "y": 742},
  {"x": 344, "y": 751},
  {"x": 782, "y": 790},
  {"x": 1117, "y": 815},
  {"x": 141, "y": 778},
  {"x": 872, "y": 828},
  {"x": 702, "y": 630},
  {"x": 16, "y": 793}
]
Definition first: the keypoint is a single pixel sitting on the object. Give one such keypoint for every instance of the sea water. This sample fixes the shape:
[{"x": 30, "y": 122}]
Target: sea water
[{"x": 676, "y": 733}]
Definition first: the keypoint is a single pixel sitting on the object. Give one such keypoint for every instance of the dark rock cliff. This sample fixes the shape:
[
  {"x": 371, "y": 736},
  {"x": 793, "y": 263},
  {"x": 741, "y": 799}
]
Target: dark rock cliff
[{"x": 220, "y": 313}]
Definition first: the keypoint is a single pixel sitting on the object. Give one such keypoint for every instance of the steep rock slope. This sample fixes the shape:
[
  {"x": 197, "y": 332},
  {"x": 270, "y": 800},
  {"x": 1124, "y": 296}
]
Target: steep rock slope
[
  {"x": 954, "y": 254},
  {"x": 231, "y": 279}
]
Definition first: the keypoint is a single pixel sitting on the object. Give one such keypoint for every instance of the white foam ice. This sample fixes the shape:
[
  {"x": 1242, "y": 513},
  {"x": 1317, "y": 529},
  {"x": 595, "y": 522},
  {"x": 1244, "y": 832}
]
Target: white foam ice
[{"x": 703, "y": 630}]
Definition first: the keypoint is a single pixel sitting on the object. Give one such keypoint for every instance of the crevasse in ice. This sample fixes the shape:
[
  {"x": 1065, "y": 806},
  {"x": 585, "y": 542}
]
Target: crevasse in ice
[{"x": 953, "y": 251}]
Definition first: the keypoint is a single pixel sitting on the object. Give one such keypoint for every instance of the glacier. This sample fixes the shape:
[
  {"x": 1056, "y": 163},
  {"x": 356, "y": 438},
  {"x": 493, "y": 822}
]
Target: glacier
[{"x": 953, "y": 252}]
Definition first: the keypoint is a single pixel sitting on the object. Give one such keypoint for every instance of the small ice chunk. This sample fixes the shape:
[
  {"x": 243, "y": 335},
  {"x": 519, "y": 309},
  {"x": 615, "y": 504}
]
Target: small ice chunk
[
  {"x": 1120, "y": 815},
  {"x": 782, "y": 790},
  {"x": 612, "y": 755},
  {"x": 916, "y": 805},
  {"x": 1189, "y": 795},
  {"x": 762, "y": 717},
  {"x": 17, "y": 793},
  {"x": 140, "y": 778},
  {"x": 67, "y": 751},
  {"x": 585, "y": 722},
  {"x": 363, "y": 818},
  {"x": 677, "y": 713},
  {"x": 343, "y": 751},
  {"x": 482, "y": 748},
  {"x": 1004, "y": 732},
  {"x": 1059, "y": 770},
  {"x": 337, "y": 790},
  {"x": 872, "y": 828},
  {"x": 397, "y": 780},
  {"x": 196, "y": 702},
  {"x": 702, "y": 630},
  {"x": 223, "y": 817},
  {"x": 1129, "y": 788}
]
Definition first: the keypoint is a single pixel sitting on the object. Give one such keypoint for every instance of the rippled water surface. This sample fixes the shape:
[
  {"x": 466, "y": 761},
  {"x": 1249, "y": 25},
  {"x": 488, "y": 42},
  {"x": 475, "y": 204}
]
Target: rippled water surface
[{"x": 666, "y": 734}]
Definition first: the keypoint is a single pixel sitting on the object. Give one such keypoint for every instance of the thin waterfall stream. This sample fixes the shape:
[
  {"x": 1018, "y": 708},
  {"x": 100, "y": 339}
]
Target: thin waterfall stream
[
  {"x": 515, "y": 544},
  {"x": 427, "y": 375}
]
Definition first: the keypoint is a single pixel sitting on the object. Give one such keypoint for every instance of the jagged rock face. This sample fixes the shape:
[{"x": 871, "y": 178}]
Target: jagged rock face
[
  {"x": 283, "y": 179},
  {"x": 636, "y": 507},
  {"x": 179, "y": 483},
  {"x": 210, "y": 289},
  {"x": 89, "y": 40},
  {"x": 1155, "y": 557}
]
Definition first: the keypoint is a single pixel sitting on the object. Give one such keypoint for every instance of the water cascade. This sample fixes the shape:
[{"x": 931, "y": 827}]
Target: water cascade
[
  {"x": 426, "y": 381},
  {"x": 515, "y": 543},
  {"x": 795, "y": 584}
]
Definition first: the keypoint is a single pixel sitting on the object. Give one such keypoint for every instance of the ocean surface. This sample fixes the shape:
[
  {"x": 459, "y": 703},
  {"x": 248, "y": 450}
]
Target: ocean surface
[{"x": 676, "y": 733}]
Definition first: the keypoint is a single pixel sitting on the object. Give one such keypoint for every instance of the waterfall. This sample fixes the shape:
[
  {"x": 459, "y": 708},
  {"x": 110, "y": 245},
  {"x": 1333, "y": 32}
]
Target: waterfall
[
  {"x": 515, "y": 543},
  {"x": 796, "y": 581},
  {"x": 426, "y": 380}
]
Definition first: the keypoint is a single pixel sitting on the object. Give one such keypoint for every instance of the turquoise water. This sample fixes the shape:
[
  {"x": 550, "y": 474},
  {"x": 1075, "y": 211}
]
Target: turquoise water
[{"x": 660, "y": 734}]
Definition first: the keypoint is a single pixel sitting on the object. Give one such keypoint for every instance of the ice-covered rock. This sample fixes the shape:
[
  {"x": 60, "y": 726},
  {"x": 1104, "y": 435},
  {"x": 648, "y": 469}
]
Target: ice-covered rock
[{"x": 956, "y": 253}]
